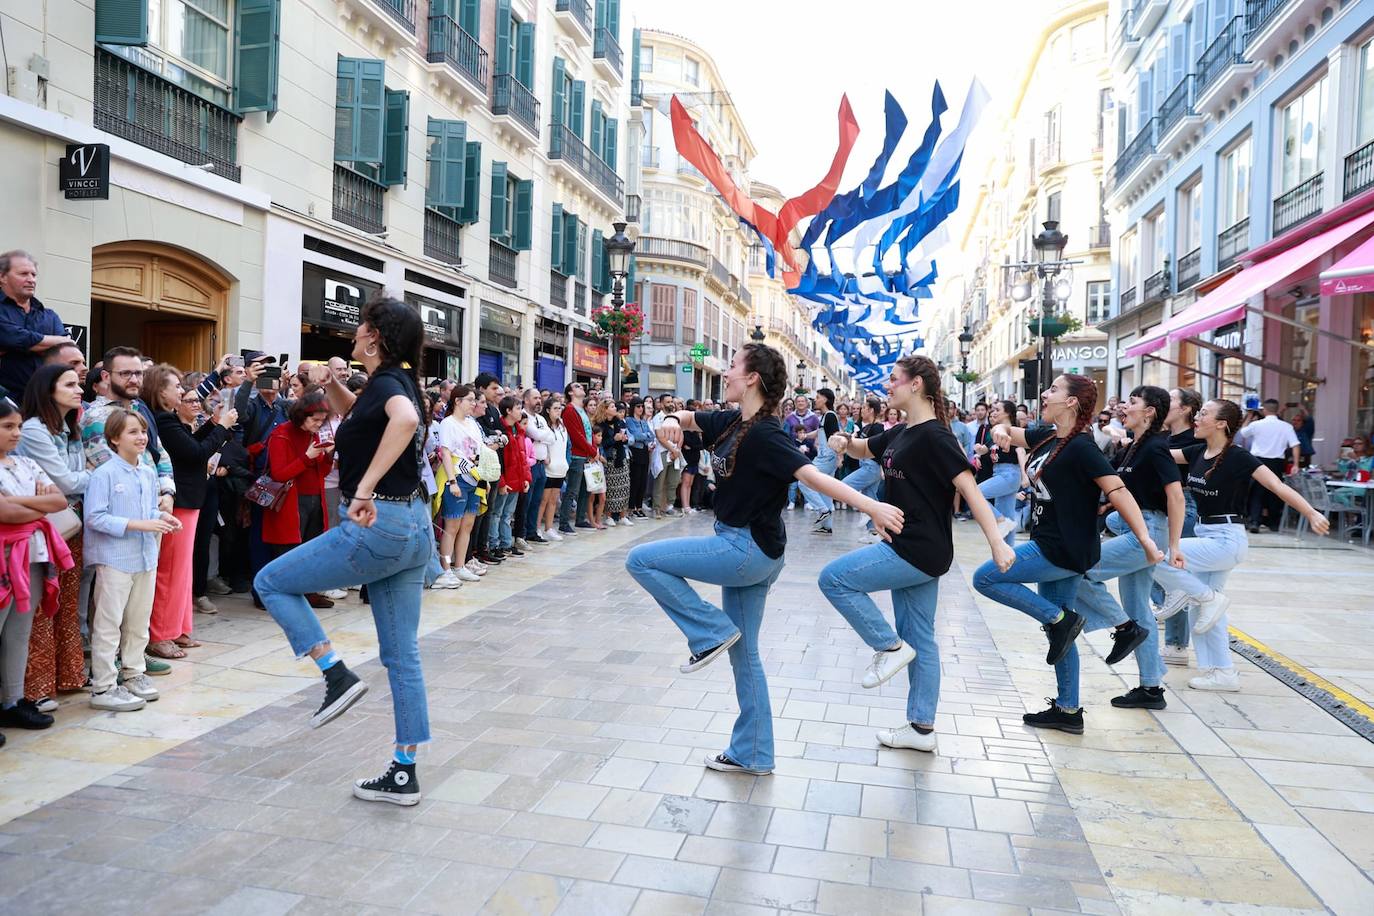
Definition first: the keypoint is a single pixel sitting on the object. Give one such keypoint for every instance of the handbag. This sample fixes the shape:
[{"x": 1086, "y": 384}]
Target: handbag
[
  {"x": 67, "y": 523},
  {"x": 595, "y": 478},
  {"x": 488, "y": 464},
  {"x": 268, "y": 493}
]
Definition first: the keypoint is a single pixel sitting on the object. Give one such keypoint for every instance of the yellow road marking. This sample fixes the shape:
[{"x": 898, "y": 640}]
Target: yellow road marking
[{"x": 1351, "y": 702}]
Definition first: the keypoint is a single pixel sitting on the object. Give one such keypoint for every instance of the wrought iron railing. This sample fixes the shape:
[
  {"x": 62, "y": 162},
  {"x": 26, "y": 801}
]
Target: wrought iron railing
[
  {"x": 142, "y": 106},
  {"x": 511, "y": 97},
  {"x": 581, "y": 11},
  {"x": 1156, "y": 286},
  {"x": 1359, "y": 170},
  {"x": 671, "y": 249},
  {"x": 636, "y": 92},
  {"x": 1232, "y": 242},
  {"x": 1135, "y": 152},
  {"x": 450, "y": 44},
  {"x": 1100, "y": 236},
  {"x": 358, "y": 200},
  {"x": 719, "y": 273},
  {"x": 1259, "y": 12},
  {"x": 501, "y": 264},
  {"x": 1300, "y": 204},
  {"x": 649, "y": 157},
  {"x": 558, "y": 289},
  {"x": 746, "y": 298},
  {"x": 605, "y": 47},
  {"x": 567, "y": 146},
  {"x": 1190, "y": 268},
  {"x": 1225, "y": 52},
  {"x": 1123, "y": 30},
  {"x": 443, "y": 237},
  {"x": 403, "y": 11},
  {"x": 686, "y": 168},
  {"x": 1177, "y": 105},
  {"x": 633, "y": 204},
  {"x": 1127, "y": 300},
  {"x": 580, "y": 303}
]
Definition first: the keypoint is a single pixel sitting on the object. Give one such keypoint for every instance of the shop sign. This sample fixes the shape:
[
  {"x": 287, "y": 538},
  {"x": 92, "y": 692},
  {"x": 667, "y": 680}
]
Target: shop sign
[
  {"x": 443, "y": 323},
  {"x": 589, "y": 358},
  {"x": 699, "y": 352},
  {"x": 84, "y": 173},
  {"x": 333, "y": 300},
  {"x": 81, "y": 334},
  {"x": 686, "y": 368},
  {"x": 1083, "y": 355}
]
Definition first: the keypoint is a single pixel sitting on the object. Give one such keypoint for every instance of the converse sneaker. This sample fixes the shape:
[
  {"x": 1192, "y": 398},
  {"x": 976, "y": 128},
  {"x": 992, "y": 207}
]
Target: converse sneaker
[
  {"x": 466, "y": 575},
  {"x": 397, "y": 785},
  {"x": 342, "y": 688},
  {"x": 1209, "y": 611},
  {"x": 1005, "y": 526},
  {"x": 702, "y": 659},
  {"x": 1141, "y": 698},
  {"x": 1225, "y": 680},
  {"x": 726, "y": 765},
  {"x": 1125, "y": 640},
  {"x": 908, "y": 737},
  {"x": 1054, "y": 717},
  {"x": 117, "y": 699},
  {"x": 1177, "y": 656},
  {"x": 886, "y": 664},
  {"x": 1173, "y": 603},
  {"x": 1061, "y": 635},
  {"x": 25, "y": 714},
  {"x": 141, "y": 687}
]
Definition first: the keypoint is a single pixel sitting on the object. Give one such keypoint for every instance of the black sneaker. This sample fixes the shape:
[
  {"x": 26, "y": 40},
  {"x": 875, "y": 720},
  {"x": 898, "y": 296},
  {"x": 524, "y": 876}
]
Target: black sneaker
[
  {"x": 24, "y": 714},
  {"x": 724, "y": 764},
  {"x": 1125, "y": 640},
  {"x": 515, "y": 552},
  {"x": 702, "y": 659},
  {"x": 342, "y": 688},
  {"x": 488, "y": 559},
  {"x": 536, "y": 539},
  {"x": 397, "y": 785},
  {"x": 1054, "y": 717},
  {"x": 1141, "y": 698},
  {"x": 1061, "y": 635},
  {"x": 585, "y": 525}
]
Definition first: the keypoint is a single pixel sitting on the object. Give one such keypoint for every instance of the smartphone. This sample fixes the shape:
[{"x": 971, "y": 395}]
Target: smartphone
[
  {"x": 281, "y": 360},
  {"x": 269, "y": 372},
  {"x": 265, "y": 382}
]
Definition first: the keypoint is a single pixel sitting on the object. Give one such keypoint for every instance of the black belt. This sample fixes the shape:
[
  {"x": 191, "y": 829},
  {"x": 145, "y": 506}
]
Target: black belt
[
  {"x": 417, "y": 493},
  {"x": 1221, "y": 520}
]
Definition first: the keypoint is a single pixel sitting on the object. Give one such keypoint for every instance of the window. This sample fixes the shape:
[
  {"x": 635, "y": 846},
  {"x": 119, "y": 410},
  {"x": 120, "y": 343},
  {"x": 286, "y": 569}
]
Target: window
[
  {"x": 1129, "y": 244},
  {"x": 689, "y": 315},
  {"x": 1303, "y": 125},
  {"x": 1365, "y": 126},
  {"x": 195, "y": 34},
  {"x": 1052, "y": 206},
  {"x": 1085, "y": 41},
  {"x": 1190, "y": 218},
  {"x": 646, "y": 58},
  {"x": 1104, "y": 105},
  {"x": 511, "y": 203},
  {"x": 663, "y": 311},
  {"x": 1233, "y": 195},
  {"x": 691, "y": 72},
  {"x": 1099, "y": 301}
]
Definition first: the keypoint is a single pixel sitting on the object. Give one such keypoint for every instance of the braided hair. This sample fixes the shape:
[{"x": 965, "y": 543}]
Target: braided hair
[
  {"x": 1156, "y": 399},
  {"x": 1084, "y": 390},
  {"x": 924, "y": 368},
  {"x": 772, "y": 370},
  {"x": 1227, "y": 412}
]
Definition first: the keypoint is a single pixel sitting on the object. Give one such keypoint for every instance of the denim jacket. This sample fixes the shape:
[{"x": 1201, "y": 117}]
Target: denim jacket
[{"x": 641, "y": 434}]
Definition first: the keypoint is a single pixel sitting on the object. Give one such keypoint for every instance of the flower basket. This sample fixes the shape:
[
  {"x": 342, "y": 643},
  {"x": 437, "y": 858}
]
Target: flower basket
[
  {"x": 966, "y": 378},
  {"x": 1053, "y": 325},
  {"x": 627, "y": 321}
]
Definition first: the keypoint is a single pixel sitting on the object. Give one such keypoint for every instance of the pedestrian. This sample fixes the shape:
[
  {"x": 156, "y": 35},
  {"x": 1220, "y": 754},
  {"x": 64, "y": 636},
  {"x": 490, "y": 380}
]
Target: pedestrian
[
  {"x": 515, "y": 479},
  {"x": 1274, "y": 442},
  {"x": 385, "y": 542},
  {"x": 28, "y": 329},
  {"x": 668, "y": 456},
  {"x": 540, "y": 437},
  {"x": 557, "y": 471},
  {"x": 642, "y": 442},
  {"x": 754, "y": 460},
  {"x": 459, "y": 439},
  {"x": 573, "y": 512},
  {"x": 615, "y": 458},
  {"x": 299, "y": 457},
  {"x": 691, "y": 463},
  {"x": 923, "y": 465}
]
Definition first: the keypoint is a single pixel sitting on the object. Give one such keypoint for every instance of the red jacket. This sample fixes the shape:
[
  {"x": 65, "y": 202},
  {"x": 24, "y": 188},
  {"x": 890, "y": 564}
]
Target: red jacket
[
  {"x": 515, "y": 468},
  {"x": 286, "y": 460},
  {"x": 582, "y": 447}
]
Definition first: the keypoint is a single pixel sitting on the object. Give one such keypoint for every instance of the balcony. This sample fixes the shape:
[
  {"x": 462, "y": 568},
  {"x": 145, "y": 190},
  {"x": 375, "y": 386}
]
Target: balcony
[
  {"x": 1136, "y": 154},
  {"x": 1156, "y": 287},
  {"x": 580, "y": 302},
  {"x": 449, "y": 44},
  {"x": 511, "y": 99},
  {"x": 686, "y": 168},
  {"x": 1271, "y": 24},
  {"x": 1223, "y": 67},
  {"x": 1147, "y": 14},
  {"x": 442, "y": 237},
  {"x": 606, "y": 52},
  {"x": 578, "y": 11},
  {"x": 1189, "y": 269},
  {"x": 1359, "y": 170},
  {"x": 141, "y": 106},
  {"x": 651, "y": 248},
  {"x": 1127, "y": 301},
  {"x": 1232, "y": 243},
  {"x": 403, "y": 11},
  {"x": 649, "y": 157},
  {"x": 1100, "y": 236},
  {"x": 746, "y": 298},
  {"x": 1177, "y": 117},
  {"x": 501, "y": 264},
  {"x": 719, "y": 275},
  {"x": 566, "y": 147},
  {"x": 358, "y": 200},
  {"x": 1258, "y": 13},
  {"x": 1050, "y": 155},
  {"x": 558, "y": 289},
  {"x": 1298, "y": 205},
  {"x": 1125, "y": 44},
  {"x": 633, "y": 204}
]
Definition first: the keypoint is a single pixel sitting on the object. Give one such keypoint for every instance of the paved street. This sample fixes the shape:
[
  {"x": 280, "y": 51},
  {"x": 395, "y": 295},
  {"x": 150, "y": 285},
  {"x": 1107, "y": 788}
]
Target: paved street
[{"x": 565, "y": 774}]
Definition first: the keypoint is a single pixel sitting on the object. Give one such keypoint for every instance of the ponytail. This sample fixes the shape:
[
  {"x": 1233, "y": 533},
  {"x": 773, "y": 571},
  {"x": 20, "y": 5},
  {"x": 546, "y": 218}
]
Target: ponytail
[
  {"x": 1227, "y": 412},
  {"x": 1084, "y": 390}
]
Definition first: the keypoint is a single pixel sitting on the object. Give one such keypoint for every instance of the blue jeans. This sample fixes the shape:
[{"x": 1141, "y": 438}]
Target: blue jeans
[
  {"x": 502, "y": 509},
  {"x": 1000, "y": 490},
  {"x": 390, "y": 558},
  {"x": 1176, "y": 628},
  {"x": 1056, "y": 588},
  {"x": 825, "y": 463},
  {"x": 732, "y": 560},
  {"x": 847, "y": 583},
  {"x": 1123, "y": 559},
  {"x": 574, "y": 495},
  {"x": 1212, "y": 553},
  {"x": 867, "y": 479},
  {"x": 538, "y": 474}
]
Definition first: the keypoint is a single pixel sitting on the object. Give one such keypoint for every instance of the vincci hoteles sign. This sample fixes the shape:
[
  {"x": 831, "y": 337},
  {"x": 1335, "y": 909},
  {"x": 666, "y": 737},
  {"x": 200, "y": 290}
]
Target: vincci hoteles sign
[{"x": 1086, "y": 356}]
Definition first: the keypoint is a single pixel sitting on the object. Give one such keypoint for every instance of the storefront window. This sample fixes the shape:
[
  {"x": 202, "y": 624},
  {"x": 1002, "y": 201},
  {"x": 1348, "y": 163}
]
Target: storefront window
[
  {"x": 1364, "y": 367},
  {"x": 1299, "y": 349},
  {"x": 1230, "y": 371}
]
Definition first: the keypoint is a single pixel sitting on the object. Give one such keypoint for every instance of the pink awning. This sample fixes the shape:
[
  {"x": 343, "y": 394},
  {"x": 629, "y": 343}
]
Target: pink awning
[
  {"x": 1226, "y": 303},
  {"x": 1353, "y": 273}
]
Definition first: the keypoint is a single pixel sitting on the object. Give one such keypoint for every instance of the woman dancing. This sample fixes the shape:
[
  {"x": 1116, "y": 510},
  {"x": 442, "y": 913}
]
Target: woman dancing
[
  {"x": 754, "y": 460},
  {"x": 386, "y": 541},
  {"x": 924, "y": 466},
  {"x": 1068, "y": 475},
  {"x": 1220, "y": 478}
]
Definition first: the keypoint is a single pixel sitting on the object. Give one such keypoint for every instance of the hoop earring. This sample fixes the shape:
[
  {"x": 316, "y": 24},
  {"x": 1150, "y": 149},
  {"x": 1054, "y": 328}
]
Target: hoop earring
[{"x": 370, "y": 351}]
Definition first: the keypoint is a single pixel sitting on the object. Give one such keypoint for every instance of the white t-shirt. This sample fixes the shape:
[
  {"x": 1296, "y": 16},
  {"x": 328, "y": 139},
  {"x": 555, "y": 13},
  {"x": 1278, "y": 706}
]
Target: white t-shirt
[
  {"x": 1270, "y": 437},
  {"x": 460, "y": 437},
  {"x": 558, "y": 452},
  {"x": 538, "y": 431},
  {"x": 21, "y": 477}
]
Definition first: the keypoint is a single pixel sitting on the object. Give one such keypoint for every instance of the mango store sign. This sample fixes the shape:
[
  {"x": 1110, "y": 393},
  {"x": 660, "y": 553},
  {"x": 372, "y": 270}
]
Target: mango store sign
[{"x": 1086, "y": 356}]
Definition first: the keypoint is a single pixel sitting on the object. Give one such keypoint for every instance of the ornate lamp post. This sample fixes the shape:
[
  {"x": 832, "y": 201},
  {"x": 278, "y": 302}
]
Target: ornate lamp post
[
  {"x": 619, "y": 248},
  {"x": 801, "y": 374},
  {"x": 965, "y": 345},
  {"x": 757, "y": 333},
  {"x": 1056, "y": 278}
]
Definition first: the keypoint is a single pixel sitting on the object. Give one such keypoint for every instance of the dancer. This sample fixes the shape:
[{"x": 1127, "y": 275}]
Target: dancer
[
  {"x": 1068, "y": 475},
  {"x": 1220, "y": 477},
  {"x": 923, "y": 465},
  {"x": 825, "y": 462},
  {"x": 385, "y": 542},
  {"x": 1152, "y": 478},
  {"x": 1008, "y": 471},
  {"x": 754, "y": 461}
]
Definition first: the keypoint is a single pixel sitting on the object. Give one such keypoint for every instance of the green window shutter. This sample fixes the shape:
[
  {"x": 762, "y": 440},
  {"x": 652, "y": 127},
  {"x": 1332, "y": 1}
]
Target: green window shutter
[
  {"x": 256, "y": 54},
  {"x": 397, "y": 132},
  {"x": 600, "y": 19},
  {"x": 556, "y": 241},
  {"x": 570, "y": 244},
  {"x": 524, "y": 214},
  {"x": 582, "y": 250},
  {"x": 578, "y": 107},
  {"x": 503, "y": 61},
  {"x": 630, "y": 281},
  {"x": 472, "y": 188},
  {"x": 359, "y": 120},
  {"x": 560, "y": 68},
  {"x": 524, "y": 55},
  {"x": 468, "y": 14},
  {"x": 613, "y": 19},
  {"x": 598, "y": 259},
  {"x": 612, "y": 141},
  {"x": 121, "y": 22},
  {"x": 447, "y": 163},
  {"x": 634, "y": 55},
  {"x": 598, "y": 133},
  {"x": 499, "y": 229}
]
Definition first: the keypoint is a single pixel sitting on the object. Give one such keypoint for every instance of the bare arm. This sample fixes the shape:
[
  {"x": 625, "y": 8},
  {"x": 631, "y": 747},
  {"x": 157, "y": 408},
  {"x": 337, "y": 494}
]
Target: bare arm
[
  {"x": 847, "y": 444},
  {"x": 1125, "y": 504},
  {"x": 1173, "y": 498},
  {"x": 1006, "y": 436},
  {"x": 967, "y": 487},
  {"x": 1270, "y": 481}
]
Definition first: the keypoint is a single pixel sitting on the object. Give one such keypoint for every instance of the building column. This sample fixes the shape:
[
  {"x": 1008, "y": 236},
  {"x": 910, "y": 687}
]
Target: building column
[{"x": 1342, "y": 115}]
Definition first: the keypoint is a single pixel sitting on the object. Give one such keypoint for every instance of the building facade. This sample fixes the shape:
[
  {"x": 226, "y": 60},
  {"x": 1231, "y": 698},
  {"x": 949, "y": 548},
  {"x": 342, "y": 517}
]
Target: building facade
[{"x": 1244, "y": 167}]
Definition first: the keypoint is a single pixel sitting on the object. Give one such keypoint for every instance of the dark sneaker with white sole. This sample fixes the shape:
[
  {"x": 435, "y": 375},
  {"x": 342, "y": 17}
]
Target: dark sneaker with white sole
[
  {"x": 1141, "y": 698},
  {"x": 1056, "y": 718},
  {"x": 726, "y": 765},
  {"x": 1125, "y": 640},
  {"x": 342, "y": 688},
  {"x": 1061, "y": 635},
  {"x": 397, "y": 785},
  {"x": 702, "y": 659}
]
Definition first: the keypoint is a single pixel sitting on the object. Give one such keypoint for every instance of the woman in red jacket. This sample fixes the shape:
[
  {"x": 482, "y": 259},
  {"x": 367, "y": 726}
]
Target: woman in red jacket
[
  {"x": 515, "y": 478},
  {"x": 295, "y": 454}
]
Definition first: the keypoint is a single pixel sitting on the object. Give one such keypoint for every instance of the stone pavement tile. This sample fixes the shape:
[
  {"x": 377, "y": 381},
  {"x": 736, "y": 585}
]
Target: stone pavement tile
[
  {"x": 981, "y": 849},
  {"x": 547, "y": 828},
  {"x": 569, "y": 799},
  {"x": 658, "y": 903},
  {"x": 255, "y": 901},
  {"x": 683, "y": 814},
  {"x": 771, "y": 890},
  {"x": 1002, "y": 815},
  {"x": 674, "y": 877},
  {"x": 662, "y": 844},
  {"x": 481, "y": 849},
  {"x": 1340, "y": 884},
  {"x": 623, "y": 773},
  {"x": 848, "y": 899},
  {"x": 587, "y": 898},
  {"x": 944, "y": 809},
  {"x": 922, "y": 878},
  {"x": 833, "y": 797},
  {"x": 628, "y": 807},
  {"x": 739, "y": 822},
  {"x": 886, "y": 803},
  {"x": 844, "y": 868},
  {"x": 727, "y": 787},
  {"x": 394, "y": 881},
  {"x": 572, "y": 862},
  {"x": 797, "y": 828},
  {"x": 525, "y": 894},
  {"x": 858, "y": 836},
  {"x": 706, "y": 850},
  {"x": 1024, "y": 890}
]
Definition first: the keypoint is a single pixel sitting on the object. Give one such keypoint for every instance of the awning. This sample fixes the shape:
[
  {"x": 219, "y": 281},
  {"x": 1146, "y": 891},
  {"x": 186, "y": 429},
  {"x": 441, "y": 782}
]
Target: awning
[
  {"x": 1353, "y": 273},
  {"x": 1226, "y": 303}
]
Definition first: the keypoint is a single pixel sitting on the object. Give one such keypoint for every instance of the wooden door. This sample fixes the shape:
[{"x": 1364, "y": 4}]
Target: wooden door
[{"x": 184, "y": 344}]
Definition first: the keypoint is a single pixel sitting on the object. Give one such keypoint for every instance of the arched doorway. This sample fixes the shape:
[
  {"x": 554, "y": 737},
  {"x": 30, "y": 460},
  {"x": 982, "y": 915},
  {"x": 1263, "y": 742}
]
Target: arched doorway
[{"x": 169, "y": 303}]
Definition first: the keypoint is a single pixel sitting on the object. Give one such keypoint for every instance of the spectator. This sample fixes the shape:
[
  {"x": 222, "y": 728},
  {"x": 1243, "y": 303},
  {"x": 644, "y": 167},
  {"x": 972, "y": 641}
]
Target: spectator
[
  {"x": 691, "y": 460},
  {"x": 459, "y": 439},
  {"x": 579, "y": 427},
  {"x": 296, "y": 453},
  {"x": 1273, "y": 442},
  {"x": 1305, "y": 428},
  {"x": 615, "y": 449},
  {"x": 541, "y": 437},
  {"x": 669, "y": 458},
  {"x": 69, "y": 355},
  {"x": 515, "y": 479},
  {"x": 642, "y": 441},
  {"x": 488, "y": 417},
  {"x": 124, "y": 367},
  {"x": 557, "y": 470},
  {"x": 27, "y": 328}
]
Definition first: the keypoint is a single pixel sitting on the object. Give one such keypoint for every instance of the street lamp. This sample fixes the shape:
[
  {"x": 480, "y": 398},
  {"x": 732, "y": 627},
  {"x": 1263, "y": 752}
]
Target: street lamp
[
  {"x": 619, "y": 248},
  {"x": 801, "y": 373},
  {"x": 1056, "y": 278},
  {"x": 757, "y": 333},
  {"x": 965, "y": 344}
]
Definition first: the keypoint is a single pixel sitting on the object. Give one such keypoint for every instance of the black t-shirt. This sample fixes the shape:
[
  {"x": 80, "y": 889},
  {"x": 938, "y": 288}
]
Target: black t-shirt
[
  {"x": 1146, "y": 469},
  {"x": 919, "y": 464},
  {"x": 982, "y": 435},
  {"x": 361, "y": 432},
  {"x": 830, "y": 424},
  {"x": 1064, "y": 520},
  {"x": 691, "y": 450},
  {"x": 1226, "y": 489},
  {"x": 765, "y": 465}
]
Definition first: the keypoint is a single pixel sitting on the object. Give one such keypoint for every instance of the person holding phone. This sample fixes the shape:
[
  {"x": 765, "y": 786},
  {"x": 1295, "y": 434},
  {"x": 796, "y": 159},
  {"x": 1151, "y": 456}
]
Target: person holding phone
[{"x": 296, "y": 454}]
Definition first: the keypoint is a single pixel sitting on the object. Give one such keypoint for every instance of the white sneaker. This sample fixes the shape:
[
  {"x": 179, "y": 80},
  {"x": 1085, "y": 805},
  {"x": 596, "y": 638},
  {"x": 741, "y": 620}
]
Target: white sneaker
[
  {"x": 1220, "y": 679},
  {"x": 336, "y": 594},
  {"x": 1005, "y": 526},
  {"x": 1175, "y": 655},
  {"x": 449, "y": 579},
  {"x": 627, "y": 522},
  {"x": 886, "y": 664},
  {"x": 909, "y": 738},
  {"x": 1209, "y": 611},
  {"x": 522, "y": 543},
  {"x": 46, "y": 704},
  {"x": 1173, "y": 603},
  {"x": 476, "y": 567},
  {"x": 141, "y": 687},
  {"x": 610, "y": 522},
  {"x": 553, "y": 535},
  {"x": 466, "y": 574},
  {"x": 117, "y": 699}
]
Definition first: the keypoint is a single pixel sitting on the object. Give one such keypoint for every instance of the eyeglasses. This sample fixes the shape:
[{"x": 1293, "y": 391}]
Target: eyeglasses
[
  {"x": 129, "y": 373},
  {"x": 190, "y": 400}
]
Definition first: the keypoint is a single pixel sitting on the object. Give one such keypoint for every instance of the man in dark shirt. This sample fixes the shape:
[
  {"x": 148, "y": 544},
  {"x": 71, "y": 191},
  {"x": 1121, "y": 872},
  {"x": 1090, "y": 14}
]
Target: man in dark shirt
[{"x": 27, "y": 328}]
